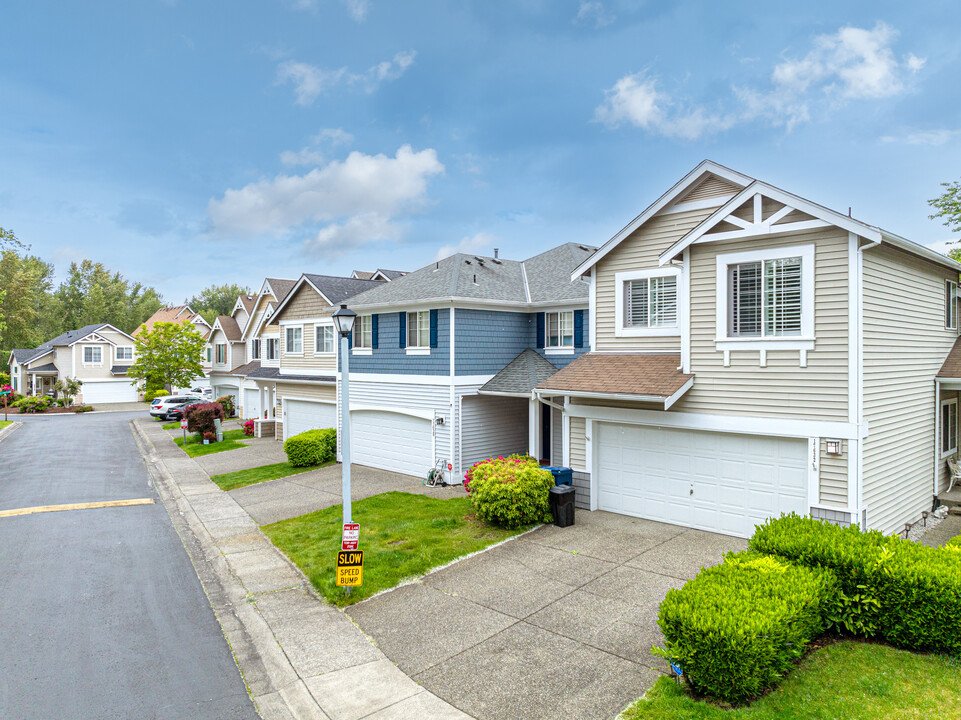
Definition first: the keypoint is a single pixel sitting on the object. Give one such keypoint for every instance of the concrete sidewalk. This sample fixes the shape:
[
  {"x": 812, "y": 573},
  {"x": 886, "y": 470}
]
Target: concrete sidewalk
[{"x": 300, "y": 657}]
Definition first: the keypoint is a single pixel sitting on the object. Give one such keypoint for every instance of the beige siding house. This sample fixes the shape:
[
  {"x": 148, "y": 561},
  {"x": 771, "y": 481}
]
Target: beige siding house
[
  {"x": 753, "y": 353},
  {"x": 98, "y": 355}
]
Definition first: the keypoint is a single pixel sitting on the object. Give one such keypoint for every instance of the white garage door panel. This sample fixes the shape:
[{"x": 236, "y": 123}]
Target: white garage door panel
[
  {"x": 713, "y": 481},
  {"x": 108, "y": 392},
  {"x": 391, "y": 441},
  {"x": 252, "y": 403},
  {"x": 305, "y": 415}
]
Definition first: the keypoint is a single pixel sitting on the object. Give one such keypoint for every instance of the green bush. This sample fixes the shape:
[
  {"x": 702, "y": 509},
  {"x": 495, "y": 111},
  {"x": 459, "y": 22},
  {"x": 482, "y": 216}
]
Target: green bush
[
  {"x": 312, "y": 447},
  {"x": 511, "y": 492},
  {"x": 152, "y": 395},
  {"x": 954, "y": 543},
  {"x": 737, "y": 627},
  {"x": 33, "y": 403},
  {"x": 83, "y": 409},
  {"x": 903, "y": 592},
  {"x": 227, "y": 403}
]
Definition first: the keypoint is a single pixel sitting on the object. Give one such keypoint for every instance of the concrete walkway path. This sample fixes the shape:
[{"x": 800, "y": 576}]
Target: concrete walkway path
[
  {"x": 946, "y": 529},
  {"x": 301, "y": 658}
]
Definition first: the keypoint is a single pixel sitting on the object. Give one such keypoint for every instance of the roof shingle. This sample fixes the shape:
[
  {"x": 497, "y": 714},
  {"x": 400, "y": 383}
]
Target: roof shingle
[
  {"x": 952, "y": 363},
  {"x": 520, "y": 375},
  {"x": 642, "y": 375}
]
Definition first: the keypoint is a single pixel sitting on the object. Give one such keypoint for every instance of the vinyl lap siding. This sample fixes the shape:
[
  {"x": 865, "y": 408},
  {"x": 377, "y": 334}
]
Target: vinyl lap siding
[
  {"x": 310, "y": 359},
  {"x": 640, "y": 251},
  {"x": 833, "y": 490},
  {"x": 710, "y": 187},
  {"x": 304, "y": 392},
  {"x": 306, "y": 304},
  {"x": 579, "y": 444},
  {"x": 905, "y": 344},
  {"x": 492, "y": 426},
  {"x": 783, "y": 388}
]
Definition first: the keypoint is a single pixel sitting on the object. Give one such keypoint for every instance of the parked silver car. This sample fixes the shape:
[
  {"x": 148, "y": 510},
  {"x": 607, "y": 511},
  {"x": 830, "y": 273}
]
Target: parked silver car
[{"x": 161, "y": 406}]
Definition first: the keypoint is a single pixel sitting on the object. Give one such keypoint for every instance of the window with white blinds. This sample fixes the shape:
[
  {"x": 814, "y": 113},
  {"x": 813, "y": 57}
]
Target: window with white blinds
[
  {"x": 560, "y": 329},
  {"x": 651, "y": 302},
  {"x": 765, "y": 298}
]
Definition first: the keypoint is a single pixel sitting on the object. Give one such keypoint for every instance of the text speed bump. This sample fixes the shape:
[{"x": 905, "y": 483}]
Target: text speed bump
[{"x": 350, "y": 568}]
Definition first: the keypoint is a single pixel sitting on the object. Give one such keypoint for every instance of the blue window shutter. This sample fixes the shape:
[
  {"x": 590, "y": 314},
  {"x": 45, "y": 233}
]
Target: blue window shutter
[
  {"x": 433, "y": 328},
  {"x": 540, "y": 329},
  {"x": 403, "y": 329},
  {"x": 578, "y": 328},
  {"x": 373, "y": 331}
]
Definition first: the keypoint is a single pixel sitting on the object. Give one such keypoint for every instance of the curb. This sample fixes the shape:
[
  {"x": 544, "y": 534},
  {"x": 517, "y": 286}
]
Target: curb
[
  {"x": 9, "y": 429},
  {"x": 298, "y": 656}
]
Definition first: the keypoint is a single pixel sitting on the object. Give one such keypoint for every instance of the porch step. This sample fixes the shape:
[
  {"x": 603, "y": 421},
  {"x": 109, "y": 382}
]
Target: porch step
[{"x": 951, "y": 500}]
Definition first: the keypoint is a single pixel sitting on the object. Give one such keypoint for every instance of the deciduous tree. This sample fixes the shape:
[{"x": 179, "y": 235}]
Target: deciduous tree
[
  {"x": 168, "y": 352},
  {"x": 219, "y": 299},
  {"x": 947, "y": 206}
]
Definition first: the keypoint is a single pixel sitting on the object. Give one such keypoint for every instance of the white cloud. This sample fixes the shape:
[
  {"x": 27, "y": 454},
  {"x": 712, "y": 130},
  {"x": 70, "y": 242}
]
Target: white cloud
[
  {"x": 340, "y": 238},
  {"x": 310, "y": 81},
  {"x": 924, "y": 137},
  {"x": 594, "y": 11},
  {"x": 469, "y": 245},
  {"x": 312, "y": 153},
  {"x": 355, "y": 200},
  {"x": 851, "y": 64},
  {"x": 635, "y": 100},
  {"x": 358, "y": 9}
]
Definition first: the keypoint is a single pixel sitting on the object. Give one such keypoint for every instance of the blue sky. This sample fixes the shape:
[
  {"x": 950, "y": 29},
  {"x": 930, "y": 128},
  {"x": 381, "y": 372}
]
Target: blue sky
[{"x": 187, "y": 143}]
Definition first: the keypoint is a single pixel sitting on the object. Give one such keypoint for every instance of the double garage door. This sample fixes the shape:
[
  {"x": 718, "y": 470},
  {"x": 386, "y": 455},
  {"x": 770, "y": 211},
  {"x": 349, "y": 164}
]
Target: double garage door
[
  {"x": 108, "y": 392},
  {"x": 392, "y": 441},
  {"x": 720, "y": 482},
  {"x": 301, "y": 415}
]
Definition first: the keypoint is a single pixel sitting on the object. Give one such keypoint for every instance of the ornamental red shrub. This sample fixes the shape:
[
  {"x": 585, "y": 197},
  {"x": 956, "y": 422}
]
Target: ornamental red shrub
[{"x": 201, "y": 416}]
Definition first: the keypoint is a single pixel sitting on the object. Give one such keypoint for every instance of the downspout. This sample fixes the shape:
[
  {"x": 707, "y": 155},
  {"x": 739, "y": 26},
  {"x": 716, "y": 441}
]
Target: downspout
[{"x": 862, "y": 430}]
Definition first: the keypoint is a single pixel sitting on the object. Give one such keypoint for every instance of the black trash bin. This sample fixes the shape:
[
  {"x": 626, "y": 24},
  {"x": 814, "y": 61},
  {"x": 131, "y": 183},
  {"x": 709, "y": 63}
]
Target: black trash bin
[{"x": 562, "y": 505}]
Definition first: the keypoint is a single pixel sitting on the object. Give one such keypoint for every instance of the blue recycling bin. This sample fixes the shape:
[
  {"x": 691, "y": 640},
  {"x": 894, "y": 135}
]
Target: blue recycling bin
[{"x": 562, "y": 475}]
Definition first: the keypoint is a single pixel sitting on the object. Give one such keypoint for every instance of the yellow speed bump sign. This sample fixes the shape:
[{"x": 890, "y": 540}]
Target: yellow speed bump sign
[{"x": 350, "y": 568}]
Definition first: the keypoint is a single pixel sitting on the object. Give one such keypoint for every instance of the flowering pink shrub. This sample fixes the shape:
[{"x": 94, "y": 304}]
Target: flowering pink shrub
[
  {"x": 249, "y": 428},
  {"x": 516, "y": 459}
]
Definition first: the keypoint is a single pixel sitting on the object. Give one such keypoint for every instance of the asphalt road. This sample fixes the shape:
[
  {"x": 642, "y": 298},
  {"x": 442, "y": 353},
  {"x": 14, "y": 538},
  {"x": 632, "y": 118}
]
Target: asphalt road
[{"x": 101, "y": 612}]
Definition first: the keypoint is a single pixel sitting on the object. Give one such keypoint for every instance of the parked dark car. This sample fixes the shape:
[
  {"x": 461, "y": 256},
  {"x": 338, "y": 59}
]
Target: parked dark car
[{"x": 176, "y": 412}]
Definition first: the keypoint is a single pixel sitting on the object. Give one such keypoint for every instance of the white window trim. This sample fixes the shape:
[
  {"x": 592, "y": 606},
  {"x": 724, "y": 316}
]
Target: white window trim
[
  {"x": 558, "y": 349},
  {"x": 948, "y": 453},
  {"x": 619, "y": 315},
  {"x": 567, "y": 350},
  {"x": 954, "y": 304},
  {"x": 92, "y": 363},
  {"x": 117, "y": 350},
  {"x": 265, "y": 352},
  {"x": 358, "y": 335},
  {"x": 804, "y": 341},
  {"x": 217, "y": 354},
  {"x": 410, "y": 347},
  {"x": 361, "y": 351},
  {"x": 320, "y": 326},
  {"x": 286, "y": 350}
]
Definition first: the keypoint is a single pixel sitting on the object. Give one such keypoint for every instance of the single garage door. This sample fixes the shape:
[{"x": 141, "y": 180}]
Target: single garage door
[
  {"x": 225, "y": 391},
  {"x": 304, "y": 415},
  {"x": 391, "y": 441},
  {"x": 252, "y": 404},
  {"x": 108, "y": 392},
  {"x": 721, "y": 482}
]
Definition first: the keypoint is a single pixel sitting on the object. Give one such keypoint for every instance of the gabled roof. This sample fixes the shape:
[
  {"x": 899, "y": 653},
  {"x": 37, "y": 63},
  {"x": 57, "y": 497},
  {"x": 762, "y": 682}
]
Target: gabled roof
[
  {"x": 952, "y": 363},
  {"x": 361, "y": 275},
  {"x": 229, "y": 327},
  {"x": 23, "y": 356},
  {"x": 173, "y": 314},
  {"x": 245, "y": 370},
  {"x": 48, "y": 368},
  {"x": 544, "y": 279},
  {"x": 333, "y": 289},
  {"x": 279, "y": 287},
  {"x": 520, "y": 376},
  {"x": 378, "y": 274},
  {"x": 246, "y": 302},
  {"x": 70, "y": 337},
  {"x": 695, "y": 177},
  {"x": 642, "y": 377}
]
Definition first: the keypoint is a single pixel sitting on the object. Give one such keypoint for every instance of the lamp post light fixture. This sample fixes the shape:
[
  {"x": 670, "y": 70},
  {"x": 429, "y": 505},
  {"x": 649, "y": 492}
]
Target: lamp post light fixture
[{"x": 344, "y": 323}]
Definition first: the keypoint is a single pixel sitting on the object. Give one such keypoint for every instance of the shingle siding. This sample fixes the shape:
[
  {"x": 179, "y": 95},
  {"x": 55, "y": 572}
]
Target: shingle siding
[
  {"x": 487, "y": 340},
  {"x": 390, "y": 358}
]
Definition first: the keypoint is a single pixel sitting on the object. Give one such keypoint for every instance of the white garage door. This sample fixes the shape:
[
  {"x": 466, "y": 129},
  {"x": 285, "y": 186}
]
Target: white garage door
[
  {"x": 108, "y": 392},
  {"x": 252, "y": 404},
  {"x": 304, "y": 415},
  {"x": 714, "y": 481},
  {"x": 225, "y": 391},
  {"x": 391, "y": 441}
]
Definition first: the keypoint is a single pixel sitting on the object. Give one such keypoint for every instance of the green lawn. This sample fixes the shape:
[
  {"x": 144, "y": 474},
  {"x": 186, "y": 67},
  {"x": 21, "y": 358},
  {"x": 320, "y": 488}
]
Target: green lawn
[
  {"x": 175, "y": 425},
  {"x": 195, "y": 446},
  {"x": 850, "y": 680},
  {"x": 242, "y": 478},
  {"x": 4, "y": 423},
  {"x": 402, "y": 536}
]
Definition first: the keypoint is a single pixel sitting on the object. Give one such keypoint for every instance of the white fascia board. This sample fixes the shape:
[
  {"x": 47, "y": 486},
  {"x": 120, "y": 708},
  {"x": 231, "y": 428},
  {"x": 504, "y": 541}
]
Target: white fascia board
[
  {"x": 706, "y": 167},
  {"x": 471, "y": 304},
  {"x": 920, "y": 250},
  {"x": 659, "y": 399},
  {"x": 742, "y": 424},
  {"x": 798, "y": 203},
  {"x": 398, "y": 379},
  {"x": 497, "y": 393}
]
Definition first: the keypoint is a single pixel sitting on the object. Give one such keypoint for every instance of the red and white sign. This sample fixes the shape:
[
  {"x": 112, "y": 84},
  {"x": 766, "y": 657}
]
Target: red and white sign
[
  {"x": 351, "y": 537},
  {"x": 183, "y": 424}
]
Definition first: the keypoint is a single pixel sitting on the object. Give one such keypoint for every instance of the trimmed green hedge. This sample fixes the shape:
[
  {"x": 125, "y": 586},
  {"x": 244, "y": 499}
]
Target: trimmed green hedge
[
  {"x": 152, "y": 395},
  {"x": 737, "y": 627},
  {"x": 313, "y": 447},
  {"x": 511, "y": 492},
  {"x": 906, "y": 593}
]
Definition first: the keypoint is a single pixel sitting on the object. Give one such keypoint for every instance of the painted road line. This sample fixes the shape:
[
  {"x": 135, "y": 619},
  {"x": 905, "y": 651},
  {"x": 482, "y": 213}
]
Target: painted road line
[{"x": 75, "y": 506}]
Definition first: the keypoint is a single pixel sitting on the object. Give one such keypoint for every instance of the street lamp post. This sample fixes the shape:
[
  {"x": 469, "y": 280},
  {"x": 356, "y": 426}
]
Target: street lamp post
[{"x": 344, "y": 323}]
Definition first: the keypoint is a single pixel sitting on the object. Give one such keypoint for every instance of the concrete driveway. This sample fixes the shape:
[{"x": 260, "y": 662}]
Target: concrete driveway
[{"x": 558, "y": 623}]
